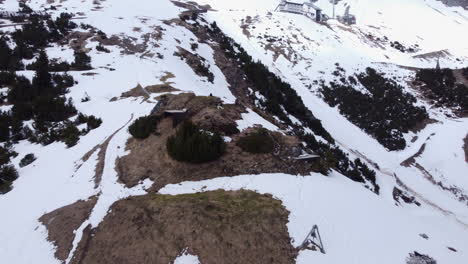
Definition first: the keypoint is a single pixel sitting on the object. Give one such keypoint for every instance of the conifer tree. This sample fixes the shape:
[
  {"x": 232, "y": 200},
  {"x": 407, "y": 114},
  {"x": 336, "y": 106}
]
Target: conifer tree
[
  {"x": 82, "y": 61},
  {"x": 5, "y": 54},
  {"x": 42, "y": 80}
]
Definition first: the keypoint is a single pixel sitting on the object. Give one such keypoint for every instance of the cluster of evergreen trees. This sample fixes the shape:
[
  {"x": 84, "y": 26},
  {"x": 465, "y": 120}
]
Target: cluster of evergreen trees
[
  {"x": 441, "y": 87},
  {"x": 384, "y": 111},
  {"x": 194, "y": 145},
  {"x": 41, "y": 102},
  {"x": 8, "y": 173},
  {"x": 280, "y": 95},
  {"x": 38, "y": 33}
]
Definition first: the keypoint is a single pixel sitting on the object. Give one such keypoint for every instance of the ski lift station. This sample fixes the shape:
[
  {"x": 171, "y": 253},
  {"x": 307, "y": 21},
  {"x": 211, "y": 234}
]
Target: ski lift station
[
  {"x": 307, "y": 9},
  {"x": 310, "y": 10}
]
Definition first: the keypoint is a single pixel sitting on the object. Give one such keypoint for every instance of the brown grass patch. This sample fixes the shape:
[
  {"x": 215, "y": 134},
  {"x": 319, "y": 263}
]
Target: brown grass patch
[
  {"x": 149, "y": 159},
  {"x": 218, "y": 227},
  {"x": 140, "y": 91},
  {"x": 62, "y": 223}
]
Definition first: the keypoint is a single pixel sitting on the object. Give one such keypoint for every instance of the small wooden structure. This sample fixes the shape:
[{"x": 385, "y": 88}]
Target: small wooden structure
[
  {"x": 313, "y": 241},
  {"x": 178, "y": 116}
]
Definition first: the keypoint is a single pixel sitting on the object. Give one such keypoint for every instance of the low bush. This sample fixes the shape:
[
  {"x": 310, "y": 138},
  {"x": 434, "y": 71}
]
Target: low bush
[
  {"x": 28, "y": 159},
  {"x": 257, "y": 142},
  {"x": 8, "y": 174},
  {"x": 144, "y": 126},
  {"x": 194, "y": 145},
  {"x": 70, "y": 135},
  {"x": 91, "y": 121},
  {"x": 101, "y": 48},
  {"x": 5, "y": 155},
  {"x": 82, "y": 61}
]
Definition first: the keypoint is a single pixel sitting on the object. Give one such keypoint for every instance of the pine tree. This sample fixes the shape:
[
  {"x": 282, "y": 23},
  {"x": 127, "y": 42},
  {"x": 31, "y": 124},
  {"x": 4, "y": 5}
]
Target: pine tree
[
  {"x": 5, "y": 54},
  {"x": 82, "y": 61},
  {"x": 42, "y": 80}
]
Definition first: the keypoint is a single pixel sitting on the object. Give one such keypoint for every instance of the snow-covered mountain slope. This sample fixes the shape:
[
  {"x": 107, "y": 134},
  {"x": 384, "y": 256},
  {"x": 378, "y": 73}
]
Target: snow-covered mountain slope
[
  {"x": 357, "y": 226},
  {"x": 315, "y": 48}
]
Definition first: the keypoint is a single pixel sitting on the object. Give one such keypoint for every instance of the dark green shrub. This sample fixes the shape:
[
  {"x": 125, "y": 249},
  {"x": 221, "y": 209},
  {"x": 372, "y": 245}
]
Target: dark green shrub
[
  {"x": 70, "y": 135},
  {"x": 91, "y": 121},
  {"x": 144, "y": 126},
  {"x": 101, "y": 48},
  {"x": 82, "y": 61},
  {"x": 191, "y": 144},
  {"x": 8, "y": 174},
  {"x": 5, "y": 123},
  {"x": 28, "y": 159},
  {"x": 257, "y": 142},
  {"x": 5, "y": 155},
  {"x": 53, "y": 109}
]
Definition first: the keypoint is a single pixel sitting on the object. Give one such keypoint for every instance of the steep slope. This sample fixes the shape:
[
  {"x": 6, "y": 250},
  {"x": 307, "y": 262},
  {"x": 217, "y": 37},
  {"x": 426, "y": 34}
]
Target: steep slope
[{"x": 156, "y": 45}]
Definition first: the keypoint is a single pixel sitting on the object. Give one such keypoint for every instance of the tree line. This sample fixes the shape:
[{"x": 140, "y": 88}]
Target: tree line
[
  {"x": 40, "y": 112},
  {"x": 282, "y": 100}
]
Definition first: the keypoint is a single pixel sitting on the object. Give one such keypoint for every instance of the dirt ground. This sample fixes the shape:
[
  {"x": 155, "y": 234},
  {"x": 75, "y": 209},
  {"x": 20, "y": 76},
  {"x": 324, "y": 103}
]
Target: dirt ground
[
  {"x": 149, "y": 159},
  {"x": 219, "y": 227},
  {"x": 62, "y": 223}
]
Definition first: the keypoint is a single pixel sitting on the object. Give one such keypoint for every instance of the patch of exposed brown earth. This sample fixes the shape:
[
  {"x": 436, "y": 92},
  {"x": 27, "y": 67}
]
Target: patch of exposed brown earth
[
  {"x": 411, "y": 160},
  {"x": 218, "y": 227},
  {"x": 138, "y": 91},
  {"x": 62, "y": 223},
  {"x": 145, "y": 92},
  {"x": 149, "y": 159}
]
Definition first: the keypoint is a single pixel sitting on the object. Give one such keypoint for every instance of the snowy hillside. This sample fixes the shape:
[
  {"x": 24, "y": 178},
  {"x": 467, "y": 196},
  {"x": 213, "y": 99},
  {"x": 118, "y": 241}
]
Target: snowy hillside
[{"x": 159, "y": 49}]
